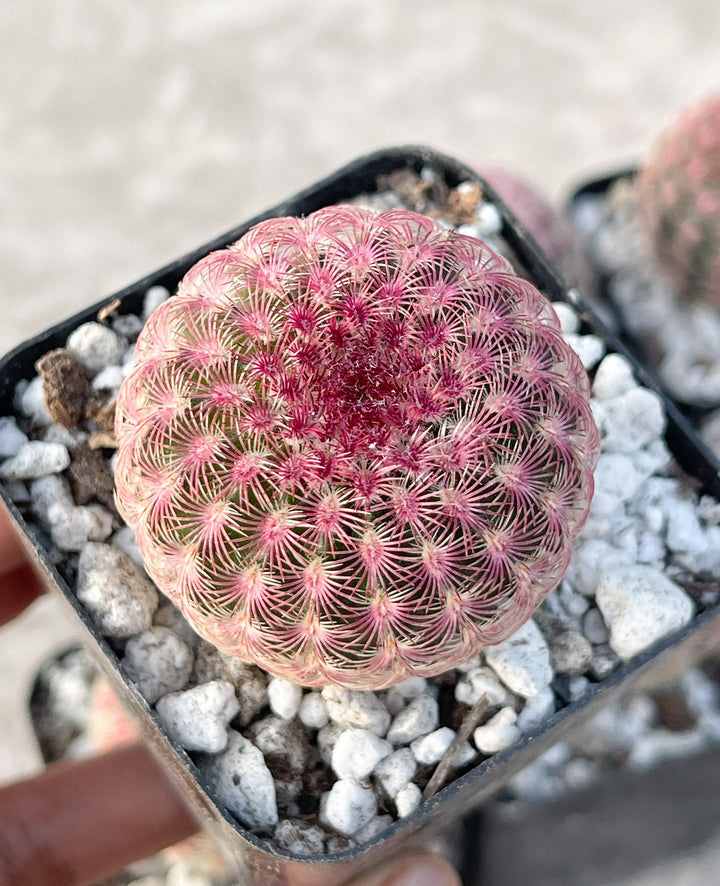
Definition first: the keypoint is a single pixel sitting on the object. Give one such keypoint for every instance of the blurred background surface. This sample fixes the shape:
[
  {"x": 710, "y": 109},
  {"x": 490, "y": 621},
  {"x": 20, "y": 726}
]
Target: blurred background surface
[{"x": 131, "y": 132}]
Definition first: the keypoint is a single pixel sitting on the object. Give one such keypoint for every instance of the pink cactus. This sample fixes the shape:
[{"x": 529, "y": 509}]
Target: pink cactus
[
  {"x": 678, "y": 192},
  {"x": 355, "y": 447}
]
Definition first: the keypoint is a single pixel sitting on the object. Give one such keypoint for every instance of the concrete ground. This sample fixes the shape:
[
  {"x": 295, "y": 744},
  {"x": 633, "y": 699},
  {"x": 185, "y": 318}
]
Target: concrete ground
[{"x": 130, "y": 132}]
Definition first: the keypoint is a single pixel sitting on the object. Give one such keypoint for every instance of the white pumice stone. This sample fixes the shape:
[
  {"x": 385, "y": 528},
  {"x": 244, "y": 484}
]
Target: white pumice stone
[
  {"x": 684, "y": 533},
  {"x": 56, "y": 433},
  {"x": 536, "y": 710},
  {"x": 73, "y": 528},
  {"x": 124, "y": 539},
  {"x": 108, "y": 379},
  {"x": 242, "y": 782},
  {"x": 589, "y": 348},
  {"x": 299, "y": 837},
  {"x": 347, "y": 807},
  {"x": 569, "y": 321},
  {"x": 32, "y": 402},
  {"x": 284, "y": 697},
  {"x": 522, "y": 661},
  {"x": 154, "y": 297},
  {"x": 640, "y": 606},
  {"x": 129, "y": 326},
  {"x": 326, "y": 739},
  {"x": 430, "y": 749},
  {"x": 594, "y": 627},
  {"x": 489, "y": 217},
  {"x": 614, "y": 376},
  {"x": 11, "y": 437},
  {"x": 313, "y": 712},
  {"x": 357, "y": 752},
  {"x": 198, "y": 718},
  {"x": 356, "y": 710},
  {"x": 420, "y": 717},
  {"x": 394, "y": 701},
  {"x": 498, "y": 733},
  {"x": 588, "y": 557},
  {"x": 279, "y": 738},
  {"x": 395, "y": 771},
  {"x": 408, "y": 799},
  {"x": 158, "y": 661},
  {"x": 481, "y": 682},
  {"x": 411, "y": 687},
  {"x": 616, "y": 481},
  {"x": 51, "y": 495},
  {"x": 470, "y": 664},
  {"x": 629, "y": 421},
  {"x": 118, "y": 595},
  {"x": 96, "y": 346},
  {"x": 169, "y": 616},
  {"x": 35, "y": 459},
  {"x": 570, "y": 652}
]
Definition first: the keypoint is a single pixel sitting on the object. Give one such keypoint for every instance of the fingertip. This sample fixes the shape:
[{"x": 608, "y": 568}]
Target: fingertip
[{"x": 417, "y": 868}]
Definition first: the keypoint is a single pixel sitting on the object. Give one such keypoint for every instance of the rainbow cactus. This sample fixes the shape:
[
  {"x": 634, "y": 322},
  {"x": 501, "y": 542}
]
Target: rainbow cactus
[
  {"x": 355, "y": 447},
  {"x": 678, "y": 192}
]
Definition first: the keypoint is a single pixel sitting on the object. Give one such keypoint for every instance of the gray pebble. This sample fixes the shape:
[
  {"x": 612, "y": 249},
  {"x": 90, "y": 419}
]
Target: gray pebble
[
  {"x": 419, "y": 717},
  {"x": 347, "y": 807},
  {"x": 118, "y": 595},
  {"x": 36, "y": 459},
  {"x": 198, "y": 718},
  {"x": 96, "y": 346},
  {"x": 158, "y": 662},
  {"x": 395, "y": 771},
  {"x": 241, "y": 781}
]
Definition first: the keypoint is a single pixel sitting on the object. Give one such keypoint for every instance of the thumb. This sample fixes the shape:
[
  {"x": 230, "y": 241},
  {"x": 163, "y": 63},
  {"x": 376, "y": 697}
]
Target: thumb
[{"x": 78, "y": 822}]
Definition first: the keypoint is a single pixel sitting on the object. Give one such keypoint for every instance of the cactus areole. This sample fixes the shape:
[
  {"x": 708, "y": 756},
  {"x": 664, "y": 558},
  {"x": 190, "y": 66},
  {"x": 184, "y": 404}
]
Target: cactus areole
[{"x": 355, "y": 447}]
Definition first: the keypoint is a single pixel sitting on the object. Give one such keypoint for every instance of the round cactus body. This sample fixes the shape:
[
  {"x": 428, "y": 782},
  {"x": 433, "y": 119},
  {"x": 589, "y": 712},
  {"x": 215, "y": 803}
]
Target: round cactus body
[
  {"x": 678, "y": 192},
  {"x": 355, "y": 447}
]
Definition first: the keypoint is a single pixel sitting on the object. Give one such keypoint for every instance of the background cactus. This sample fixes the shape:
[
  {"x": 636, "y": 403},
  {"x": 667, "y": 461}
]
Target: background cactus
[
  {"x": 679, "y": 201},
  {"x": 355, "y": 447}
]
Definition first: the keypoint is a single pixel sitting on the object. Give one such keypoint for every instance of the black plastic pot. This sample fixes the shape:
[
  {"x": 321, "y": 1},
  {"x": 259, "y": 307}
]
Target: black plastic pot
[
  {"x": 599, "y": 188},
  {"x": 256, "y": 860}
]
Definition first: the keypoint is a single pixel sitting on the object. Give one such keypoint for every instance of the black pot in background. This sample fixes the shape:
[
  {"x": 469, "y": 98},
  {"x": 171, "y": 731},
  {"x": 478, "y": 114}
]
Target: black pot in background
[
  {"x": 599, "y": 188},
  {"x": 257, "y": 861}
]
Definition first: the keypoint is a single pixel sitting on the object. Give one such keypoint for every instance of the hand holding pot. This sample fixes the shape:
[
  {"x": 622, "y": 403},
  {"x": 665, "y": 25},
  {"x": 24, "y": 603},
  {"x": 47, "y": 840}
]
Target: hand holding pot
[{"x": 78, "y": 822}]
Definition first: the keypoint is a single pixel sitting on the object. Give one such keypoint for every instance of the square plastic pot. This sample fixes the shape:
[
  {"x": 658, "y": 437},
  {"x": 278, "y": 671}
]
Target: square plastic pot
[{"x": 257, "y": 861}]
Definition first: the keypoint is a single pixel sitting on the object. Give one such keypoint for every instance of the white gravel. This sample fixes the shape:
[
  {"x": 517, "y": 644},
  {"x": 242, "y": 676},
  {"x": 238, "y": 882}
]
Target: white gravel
[
  {"x": 96, "y": 346},
  {"x": 35, "y": 458},
  {"x": 347, "y": 807},
  {"x": 522, "y": 661},
  {"x": 157, "y": 661},
  {"x": 640, "y": 606},
  {"x": 198, "y": 718}
]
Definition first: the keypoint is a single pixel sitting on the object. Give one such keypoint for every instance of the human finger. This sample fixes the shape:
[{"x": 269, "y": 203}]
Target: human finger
[
  {"x": 12, "y": 553},
  {"x": 78, "y": 822}
]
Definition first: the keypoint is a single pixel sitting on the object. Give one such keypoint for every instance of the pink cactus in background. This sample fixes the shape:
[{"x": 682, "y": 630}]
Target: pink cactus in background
[
  {"x": 355, "y": 447},
  {"x": 678, "y": 191}
]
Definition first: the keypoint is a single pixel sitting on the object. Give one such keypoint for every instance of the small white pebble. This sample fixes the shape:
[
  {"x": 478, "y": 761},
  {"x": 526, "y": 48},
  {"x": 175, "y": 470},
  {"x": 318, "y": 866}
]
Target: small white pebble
[
  {"x": 630, "y": 421},
  {"x": 154, "y": 297},
  {"x": 35, "y": 459},
  {"x": 284, "y": 697},
  {"x": 11, "y": 437},
  {"x": 31, "y": 401},
  {"x": 536, "y": 710},
  {"x": 407, "y": 799},
  {"x": 158, "y": 661},
  {"x": 198, "y": 718},
  {"x": 347, "y": 807},
  {"x": 115, "y": 591},
  {"x": 614, "y": 376},
  {"x": 522, "y": 661},
  {"x": 355, "y": 709},
  {"x": 96, "y": 346},
  {"x": 418, "y": 718},
  {"x": 640, "y": 606},
  {"x": 569, "y": 321},
  {"x": 589, "y": 348},
  {"x": 72, "y": 528},
  {"x": 430, "y": 749},
  {"x": 357, "y": 752},
  {"x": 125, "y": 540},
  {"x": 240, "y": 780},
  {"x": 395, "y": 771},
  {"x": 313, "y": 712},
  {"x": 498, "y": 733},
  {"x": 374, "y": 827},
  {"x": 411, "y": 687},
  {"x": 108, "y": 379},
  {"x": 481, "y": 682}
]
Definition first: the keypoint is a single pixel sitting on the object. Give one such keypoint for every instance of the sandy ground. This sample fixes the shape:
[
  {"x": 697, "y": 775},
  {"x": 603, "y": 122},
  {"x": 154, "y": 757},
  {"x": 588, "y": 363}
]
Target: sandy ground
[{"x": 132, "y": 132}]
